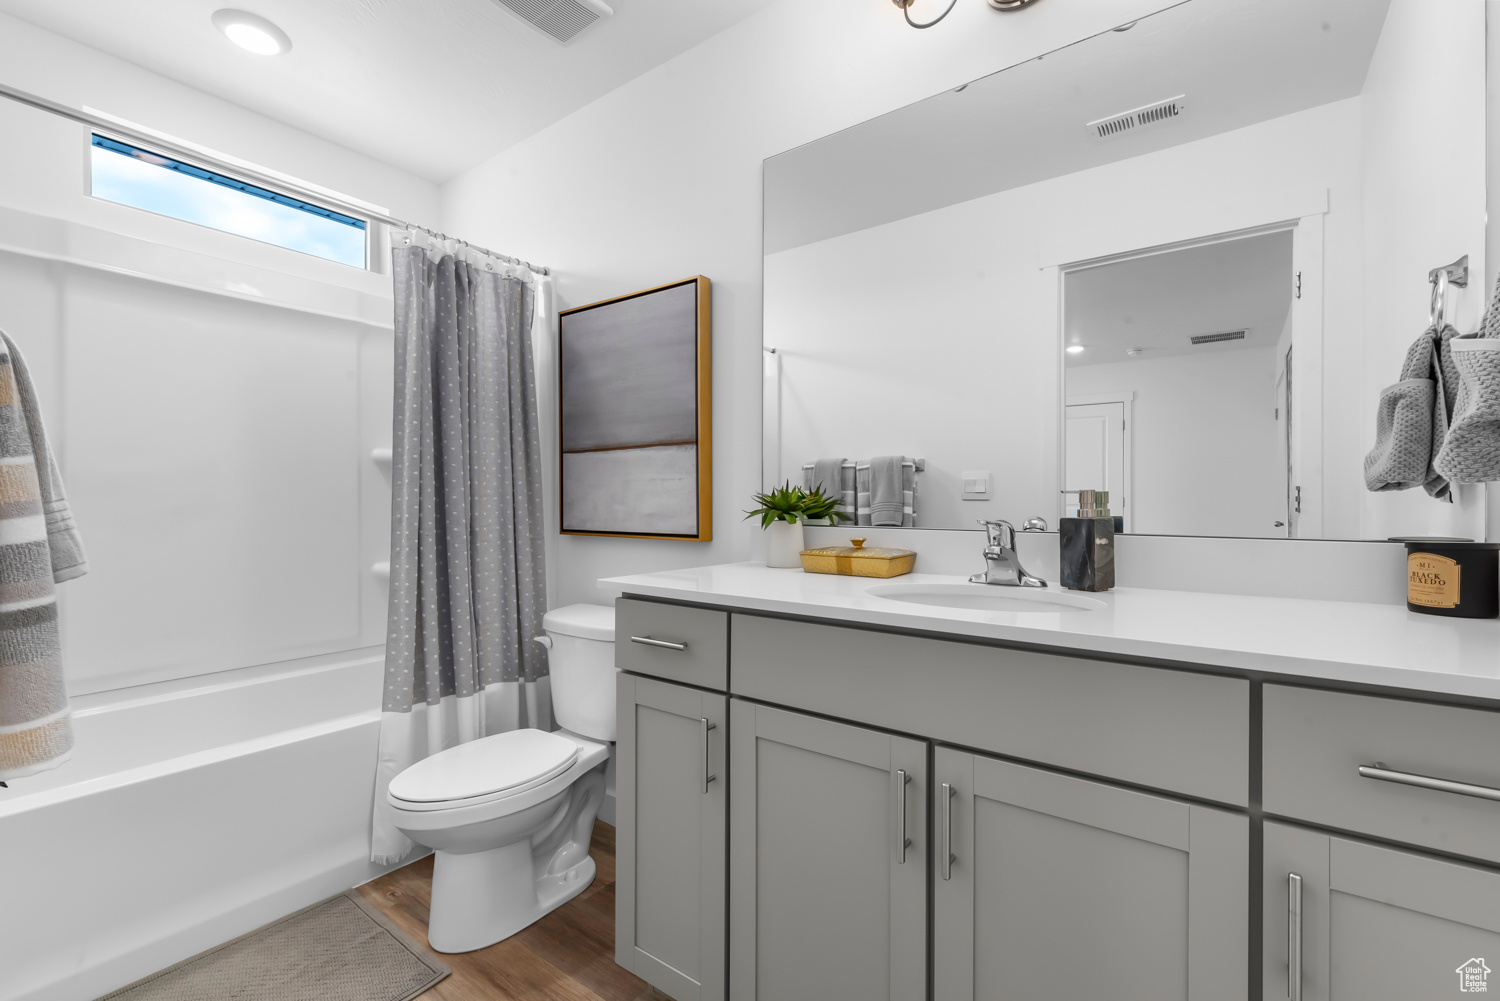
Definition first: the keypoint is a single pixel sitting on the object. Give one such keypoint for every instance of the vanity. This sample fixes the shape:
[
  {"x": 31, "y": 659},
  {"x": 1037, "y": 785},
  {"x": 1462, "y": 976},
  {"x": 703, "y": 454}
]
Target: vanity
[{"x": 825, "y": 792}]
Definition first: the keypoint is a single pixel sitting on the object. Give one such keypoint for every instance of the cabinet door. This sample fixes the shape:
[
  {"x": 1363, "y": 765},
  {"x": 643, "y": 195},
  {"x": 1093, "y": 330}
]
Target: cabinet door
[
  {"x": 1059, "y": 887},
  {"x": 828, "y": 860},
  {"x": 1376, "y": 924},
  {"x": 670, "y": 842}
]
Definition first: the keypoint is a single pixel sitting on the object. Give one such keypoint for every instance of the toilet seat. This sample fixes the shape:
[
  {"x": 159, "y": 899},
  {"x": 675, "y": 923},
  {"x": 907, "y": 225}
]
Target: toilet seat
[
  {"x": 483, "y": 770},
  {"x": 436, "y": 815}
]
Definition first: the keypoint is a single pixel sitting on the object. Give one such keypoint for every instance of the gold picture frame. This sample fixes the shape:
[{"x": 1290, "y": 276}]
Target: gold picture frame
[{"x": 635, "y": 415}]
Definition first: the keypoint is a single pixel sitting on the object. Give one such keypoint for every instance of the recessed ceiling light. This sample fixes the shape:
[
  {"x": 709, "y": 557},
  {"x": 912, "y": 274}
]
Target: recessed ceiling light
[
  {"x": 1075, "y": 349},
  {"x": 251, "y": 32}
]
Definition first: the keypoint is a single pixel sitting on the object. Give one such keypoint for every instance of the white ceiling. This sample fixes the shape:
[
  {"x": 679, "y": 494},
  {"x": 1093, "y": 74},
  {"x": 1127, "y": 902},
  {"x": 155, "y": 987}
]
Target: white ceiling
[
  {"x": 1239, "y": 62},
  {"x": 433, "y": 87},
  {"x": 1156, "y": 303}
]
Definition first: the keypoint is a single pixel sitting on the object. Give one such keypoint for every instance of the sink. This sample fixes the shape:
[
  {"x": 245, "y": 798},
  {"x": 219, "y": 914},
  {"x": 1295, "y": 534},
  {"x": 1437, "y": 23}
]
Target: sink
[{"x": 987, "y": 598}]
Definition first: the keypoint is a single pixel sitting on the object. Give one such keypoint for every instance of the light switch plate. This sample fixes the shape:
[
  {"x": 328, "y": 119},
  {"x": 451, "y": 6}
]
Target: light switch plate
[{"x": 976, "y": 485}]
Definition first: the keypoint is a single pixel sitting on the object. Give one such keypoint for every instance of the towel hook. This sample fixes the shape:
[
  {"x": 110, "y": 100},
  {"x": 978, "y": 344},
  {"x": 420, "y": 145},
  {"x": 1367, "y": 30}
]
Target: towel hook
[{"x": 1457, "y": 274}]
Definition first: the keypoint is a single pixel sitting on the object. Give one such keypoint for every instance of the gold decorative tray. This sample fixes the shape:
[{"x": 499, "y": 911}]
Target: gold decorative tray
[{"x": 857, "y": 561}]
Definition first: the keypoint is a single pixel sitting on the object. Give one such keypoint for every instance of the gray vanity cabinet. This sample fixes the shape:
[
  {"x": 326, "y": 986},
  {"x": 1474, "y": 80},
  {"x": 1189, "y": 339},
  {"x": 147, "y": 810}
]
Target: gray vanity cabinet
[
  {"x": 670, "y": 850},
  {"x": 1362, "y": 922},
  {"x": 1057, "y": 886},
  {"x": 828, "y": 859}
]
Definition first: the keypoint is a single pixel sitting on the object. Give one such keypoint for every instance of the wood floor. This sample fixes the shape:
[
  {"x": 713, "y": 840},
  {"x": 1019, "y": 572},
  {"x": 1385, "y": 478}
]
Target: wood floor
[{"x": 566, "y": 956}]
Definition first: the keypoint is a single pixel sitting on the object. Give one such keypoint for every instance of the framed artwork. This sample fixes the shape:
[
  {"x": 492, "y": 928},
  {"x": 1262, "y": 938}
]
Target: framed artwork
[{"x": 636, "y": 415}]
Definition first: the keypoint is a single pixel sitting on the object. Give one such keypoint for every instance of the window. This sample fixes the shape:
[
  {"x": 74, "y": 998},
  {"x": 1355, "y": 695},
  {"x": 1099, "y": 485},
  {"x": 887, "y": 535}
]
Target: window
[{"x": 145, "y": 180}]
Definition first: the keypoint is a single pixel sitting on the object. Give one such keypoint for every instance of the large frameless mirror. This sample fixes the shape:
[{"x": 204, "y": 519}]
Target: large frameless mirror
[{"x": 1177, "y": 261}]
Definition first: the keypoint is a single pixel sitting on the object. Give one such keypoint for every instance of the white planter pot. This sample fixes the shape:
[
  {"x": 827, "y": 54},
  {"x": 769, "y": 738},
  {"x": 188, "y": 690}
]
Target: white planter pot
[{"x": 784, "y": 544}]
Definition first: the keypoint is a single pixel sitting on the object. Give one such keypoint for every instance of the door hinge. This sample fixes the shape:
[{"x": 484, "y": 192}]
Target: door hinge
[
  {"x": 1299, "y": 285},
  {"x": 1297, "y": 501}
]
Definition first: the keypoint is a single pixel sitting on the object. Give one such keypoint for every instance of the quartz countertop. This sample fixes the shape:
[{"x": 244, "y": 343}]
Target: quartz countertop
[{"x": 1372, "y": 644}]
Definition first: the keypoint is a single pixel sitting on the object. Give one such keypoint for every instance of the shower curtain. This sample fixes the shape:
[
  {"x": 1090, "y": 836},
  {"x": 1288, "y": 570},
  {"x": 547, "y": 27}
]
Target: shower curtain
[{"x": 468, "y": 577}]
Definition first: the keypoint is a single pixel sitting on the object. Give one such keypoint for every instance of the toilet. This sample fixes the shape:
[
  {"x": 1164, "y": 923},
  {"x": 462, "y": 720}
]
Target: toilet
[{"x": 510, "y": 816}]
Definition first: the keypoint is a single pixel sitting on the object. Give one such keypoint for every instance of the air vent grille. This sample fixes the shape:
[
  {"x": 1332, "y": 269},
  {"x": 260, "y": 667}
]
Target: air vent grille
[
  {"x": 1228, "y": 335},
  {"x": 558, "y": 19},
  {"x": 1138, "y": 118}
]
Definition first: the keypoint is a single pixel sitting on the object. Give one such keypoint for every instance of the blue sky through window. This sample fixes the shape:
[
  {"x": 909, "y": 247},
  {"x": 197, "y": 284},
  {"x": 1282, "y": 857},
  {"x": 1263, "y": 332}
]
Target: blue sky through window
[{"x": 137, "y": 177}]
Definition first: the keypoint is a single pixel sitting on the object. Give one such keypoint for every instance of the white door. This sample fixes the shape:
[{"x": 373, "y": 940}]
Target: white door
[{"x": 1094, "y": 456}]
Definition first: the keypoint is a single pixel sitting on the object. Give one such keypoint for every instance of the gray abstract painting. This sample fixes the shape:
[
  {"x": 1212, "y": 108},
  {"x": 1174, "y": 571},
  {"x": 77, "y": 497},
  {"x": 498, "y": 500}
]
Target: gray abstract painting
[{"x": 631, "y": 410}]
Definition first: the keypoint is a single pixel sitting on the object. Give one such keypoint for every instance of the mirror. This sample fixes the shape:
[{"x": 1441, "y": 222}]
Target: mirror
[{"x": 1177, "y": 261}]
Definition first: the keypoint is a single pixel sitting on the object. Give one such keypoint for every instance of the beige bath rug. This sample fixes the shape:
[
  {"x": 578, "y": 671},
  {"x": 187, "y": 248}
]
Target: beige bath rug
[{"x": 339, "y": 950}]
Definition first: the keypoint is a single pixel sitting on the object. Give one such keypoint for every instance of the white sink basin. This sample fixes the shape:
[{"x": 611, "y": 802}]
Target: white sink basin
[{"x": 987, "y": 598}]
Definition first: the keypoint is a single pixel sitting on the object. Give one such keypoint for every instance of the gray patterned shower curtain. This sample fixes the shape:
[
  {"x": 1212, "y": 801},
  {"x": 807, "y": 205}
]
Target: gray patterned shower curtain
[{"x": 468, "y": 574}]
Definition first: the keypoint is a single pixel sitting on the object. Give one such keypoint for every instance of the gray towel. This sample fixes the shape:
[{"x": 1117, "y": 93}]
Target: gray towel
[
  {"x": 828, "y": 476},
  {"x": 40, "y": 548},
  {"x": 887, "y": 493},
  {"x": 1411, "y": 419},
  {"x": 1471, "y": 451}
]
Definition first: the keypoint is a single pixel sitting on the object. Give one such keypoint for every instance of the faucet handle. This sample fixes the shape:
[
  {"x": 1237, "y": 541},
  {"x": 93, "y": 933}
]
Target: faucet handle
[{"x": 999, "y": 532}]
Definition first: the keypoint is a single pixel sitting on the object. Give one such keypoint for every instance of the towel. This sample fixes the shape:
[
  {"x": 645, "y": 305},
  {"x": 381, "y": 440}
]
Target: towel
[
  {"x": 887, "y": 496},
  {"x": 1411, "y": 419},
  {"x": 1471, "y": 451},
  {"x": 39, "y": 547},
  {"x": 828, "y": 475}
]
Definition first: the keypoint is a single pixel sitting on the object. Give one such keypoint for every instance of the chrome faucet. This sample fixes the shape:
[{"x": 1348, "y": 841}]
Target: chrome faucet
[{"x": 1002, "y": 565}]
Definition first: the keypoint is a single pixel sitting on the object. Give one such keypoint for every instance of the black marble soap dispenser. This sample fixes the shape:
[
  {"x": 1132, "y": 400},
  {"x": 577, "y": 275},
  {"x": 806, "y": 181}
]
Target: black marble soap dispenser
[{"x": 1087, "y": 557}]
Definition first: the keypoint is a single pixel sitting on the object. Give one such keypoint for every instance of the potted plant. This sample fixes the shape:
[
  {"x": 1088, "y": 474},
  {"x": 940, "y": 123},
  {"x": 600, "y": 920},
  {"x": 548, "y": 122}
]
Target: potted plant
[{"x": 782, "y": 512}]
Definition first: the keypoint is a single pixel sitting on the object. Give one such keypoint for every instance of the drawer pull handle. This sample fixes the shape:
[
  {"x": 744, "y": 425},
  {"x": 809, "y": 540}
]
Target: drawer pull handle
[
  {"x": 659, "y": 644},
  {"x": 948, "y": 858},
  {"x": 1294, "y": 936},
  {"x": 707, "y": 775},
  {"x": 1384, "y": 774},
  {"x": 902, "y": 841}
]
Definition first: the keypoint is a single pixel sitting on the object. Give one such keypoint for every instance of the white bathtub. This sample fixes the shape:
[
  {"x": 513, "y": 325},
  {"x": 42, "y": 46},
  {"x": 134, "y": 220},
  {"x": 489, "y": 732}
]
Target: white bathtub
[{"x": 189, "y": 814}]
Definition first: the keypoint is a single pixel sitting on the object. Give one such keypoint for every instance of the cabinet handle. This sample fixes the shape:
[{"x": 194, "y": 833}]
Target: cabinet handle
[
  {"x": 948, "y": 859},
  {"x": 1294, "y": 936},
  {"x": 1382, "y": 773},
  {"x": 902, "y": 841},
  {"x": 660, "y": 644},
  {"x": 707, "y": 776}
]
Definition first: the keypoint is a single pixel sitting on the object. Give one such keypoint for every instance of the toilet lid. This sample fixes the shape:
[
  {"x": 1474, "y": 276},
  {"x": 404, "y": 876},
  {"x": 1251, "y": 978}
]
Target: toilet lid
[{"x": 486, "y": 766}]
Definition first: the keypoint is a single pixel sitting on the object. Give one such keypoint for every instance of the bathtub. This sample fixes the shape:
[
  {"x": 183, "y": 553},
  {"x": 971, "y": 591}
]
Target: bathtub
[{"x": 190, "y": 813}]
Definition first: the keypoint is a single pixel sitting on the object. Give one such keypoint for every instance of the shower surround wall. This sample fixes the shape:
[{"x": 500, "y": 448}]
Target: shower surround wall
[{"x": 214, "y": 402}]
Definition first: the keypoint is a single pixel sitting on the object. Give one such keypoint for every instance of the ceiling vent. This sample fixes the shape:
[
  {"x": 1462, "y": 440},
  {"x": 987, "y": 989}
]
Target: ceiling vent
[
  {"x": 559, "y": 20},
  {"x": 1139, "y": 118},
  {"x": 1228, "y": 335}
]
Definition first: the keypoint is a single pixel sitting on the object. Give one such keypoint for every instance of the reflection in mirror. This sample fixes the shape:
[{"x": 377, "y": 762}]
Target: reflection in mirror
[{"x": 1227, "y": 211}]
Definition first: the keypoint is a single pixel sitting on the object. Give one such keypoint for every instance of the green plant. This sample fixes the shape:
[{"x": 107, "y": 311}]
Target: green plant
[
  {"x": 792, "y": 504},
  {"x": 815, "y": 506}
]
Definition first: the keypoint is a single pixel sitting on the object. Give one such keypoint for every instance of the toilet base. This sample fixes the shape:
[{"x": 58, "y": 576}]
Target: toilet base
[{"x": 481, "y": 898}]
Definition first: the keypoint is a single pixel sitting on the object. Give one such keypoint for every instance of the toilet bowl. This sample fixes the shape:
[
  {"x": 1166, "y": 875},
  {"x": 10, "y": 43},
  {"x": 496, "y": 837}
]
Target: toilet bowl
[{"x": 510, "y": 816}]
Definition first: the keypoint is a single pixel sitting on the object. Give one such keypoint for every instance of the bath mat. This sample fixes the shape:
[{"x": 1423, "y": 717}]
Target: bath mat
[{"x": 339, "y": 950}]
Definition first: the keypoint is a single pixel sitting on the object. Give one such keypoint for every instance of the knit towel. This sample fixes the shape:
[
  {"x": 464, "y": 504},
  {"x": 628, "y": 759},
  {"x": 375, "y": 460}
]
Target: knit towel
[
  {"x": 39, "y": 546},
  {"x": 1411, "y": 419}
]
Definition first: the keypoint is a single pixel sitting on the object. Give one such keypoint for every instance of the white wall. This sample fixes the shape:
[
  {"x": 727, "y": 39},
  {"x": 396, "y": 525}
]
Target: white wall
[
  {"x": 936, "y": 335},
  {"x": 1205, "y": 458},
  {"x": 660, "y": 179},
  {"x": 1423, "y": 174}
]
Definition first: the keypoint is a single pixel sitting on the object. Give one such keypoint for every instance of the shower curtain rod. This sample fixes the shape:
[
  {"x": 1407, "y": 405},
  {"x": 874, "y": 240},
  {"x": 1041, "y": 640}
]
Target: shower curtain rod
[{"x": 272, "y": 181}]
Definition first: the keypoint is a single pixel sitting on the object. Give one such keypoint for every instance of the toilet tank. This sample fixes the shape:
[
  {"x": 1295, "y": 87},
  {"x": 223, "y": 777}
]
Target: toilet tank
[{"x": 582, "y": 664}]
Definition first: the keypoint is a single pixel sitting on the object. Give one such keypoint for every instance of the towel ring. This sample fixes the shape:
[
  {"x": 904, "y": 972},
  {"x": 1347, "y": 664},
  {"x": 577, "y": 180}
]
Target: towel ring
[{"x": 1439, "y": 297}]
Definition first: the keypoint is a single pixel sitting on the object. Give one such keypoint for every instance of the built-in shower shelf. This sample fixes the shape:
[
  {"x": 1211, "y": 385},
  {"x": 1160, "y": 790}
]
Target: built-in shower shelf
[{"x": 382, "y": 570}]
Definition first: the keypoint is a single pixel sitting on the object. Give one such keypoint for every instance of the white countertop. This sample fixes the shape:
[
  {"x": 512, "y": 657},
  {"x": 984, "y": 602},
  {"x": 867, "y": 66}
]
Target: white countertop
[{"x": 1331, "y": 640}]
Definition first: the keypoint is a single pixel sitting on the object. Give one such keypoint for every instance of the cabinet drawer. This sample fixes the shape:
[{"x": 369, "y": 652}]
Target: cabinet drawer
[
  {"x": 1316, "y": 743},
  {"x": 1173, "y": 730},
  {"x": 690, "y": 645}
]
